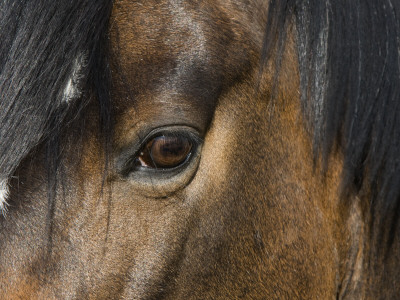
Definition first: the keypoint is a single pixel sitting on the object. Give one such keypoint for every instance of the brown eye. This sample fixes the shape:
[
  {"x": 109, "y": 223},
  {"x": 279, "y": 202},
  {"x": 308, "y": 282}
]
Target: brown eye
[{"x": 165, "y": 152}]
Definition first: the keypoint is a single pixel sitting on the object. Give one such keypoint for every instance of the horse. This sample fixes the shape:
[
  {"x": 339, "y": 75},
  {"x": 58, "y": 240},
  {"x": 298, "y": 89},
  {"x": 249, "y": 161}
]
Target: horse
[{"x": 200, "y": 149}]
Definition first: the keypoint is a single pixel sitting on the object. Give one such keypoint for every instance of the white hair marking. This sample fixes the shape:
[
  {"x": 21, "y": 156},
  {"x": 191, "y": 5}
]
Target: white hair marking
[
  {"x": 73, "y": 89},
  {"x": 4, "y": 192}
]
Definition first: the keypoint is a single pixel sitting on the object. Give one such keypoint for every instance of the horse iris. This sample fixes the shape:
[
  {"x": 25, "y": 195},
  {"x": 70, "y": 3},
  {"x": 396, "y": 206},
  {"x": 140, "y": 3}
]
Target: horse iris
[{"x": 165, "y": 152}]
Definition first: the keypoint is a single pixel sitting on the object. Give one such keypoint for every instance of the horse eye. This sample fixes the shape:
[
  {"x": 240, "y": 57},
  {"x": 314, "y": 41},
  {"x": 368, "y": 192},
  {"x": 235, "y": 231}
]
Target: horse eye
[{"x": 164, "y": 152}]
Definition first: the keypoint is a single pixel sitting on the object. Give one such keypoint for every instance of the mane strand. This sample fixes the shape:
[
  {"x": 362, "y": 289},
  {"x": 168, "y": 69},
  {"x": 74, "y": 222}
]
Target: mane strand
[{"x": 46, "y": 60}]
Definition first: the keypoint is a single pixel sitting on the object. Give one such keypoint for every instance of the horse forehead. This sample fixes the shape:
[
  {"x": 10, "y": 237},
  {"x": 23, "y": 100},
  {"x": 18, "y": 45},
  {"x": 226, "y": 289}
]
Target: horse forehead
[
  {"x": 157, "y": 28},
  {"x": 177, "y": 47},
  {"x": 171, "y": 28},
  {"x": 158, "y": 43}
]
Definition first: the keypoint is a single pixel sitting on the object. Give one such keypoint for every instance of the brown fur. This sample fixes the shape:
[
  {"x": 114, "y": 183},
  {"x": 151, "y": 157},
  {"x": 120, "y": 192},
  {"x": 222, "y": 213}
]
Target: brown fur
[{"x": 257, "y": 221}]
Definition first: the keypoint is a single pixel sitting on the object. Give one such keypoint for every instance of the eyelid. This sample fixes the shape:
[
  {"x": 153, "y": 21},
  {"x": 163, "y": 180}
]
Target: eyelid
[{"x": 126, "y": 160}]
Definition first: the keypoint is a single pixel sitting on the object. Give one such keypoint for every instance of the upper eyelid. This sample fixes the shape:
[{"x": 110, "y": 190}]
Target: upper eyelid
[{"x": 126, "y": 159}]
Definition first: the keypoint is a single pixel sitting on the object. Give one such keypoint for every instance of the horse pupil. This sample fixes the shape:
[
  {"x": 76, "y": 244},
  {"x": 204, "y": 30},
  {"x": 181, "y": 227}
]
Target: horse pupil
[{"x": 169, "y": 151}]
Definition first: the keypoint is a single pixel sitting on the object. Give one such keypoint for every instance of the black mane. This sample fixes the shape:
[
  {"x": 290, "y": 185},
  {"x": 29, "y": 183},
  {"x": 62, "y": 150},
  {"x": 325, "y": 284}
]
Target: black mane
[
  {"x": 350, "y": 85},
  {"x": 40, "y": 42}
]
